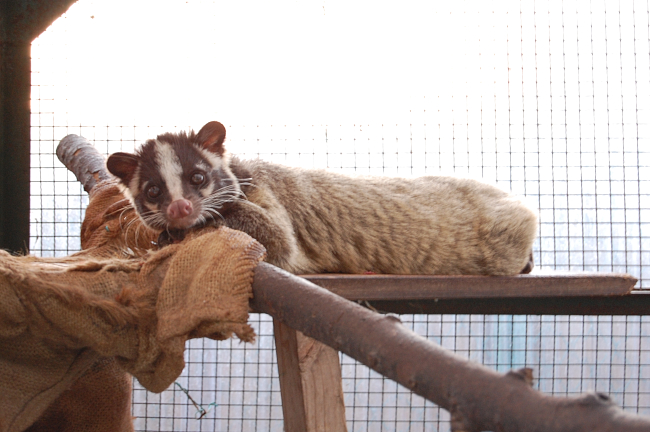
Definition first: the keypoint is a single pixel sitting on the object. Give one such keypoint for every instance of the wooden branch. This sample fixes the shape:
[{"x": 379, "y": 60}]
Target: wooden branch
[
  {"x": 83, "y": 159},
  {"x": 478, "y": 398}
]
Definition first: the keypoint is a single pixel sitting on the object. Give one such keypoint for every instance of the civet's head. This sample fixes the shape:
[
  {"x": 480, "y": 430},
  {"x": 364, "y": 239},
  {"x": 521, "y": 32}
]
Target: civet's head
[{"x": 178, "y": 180}]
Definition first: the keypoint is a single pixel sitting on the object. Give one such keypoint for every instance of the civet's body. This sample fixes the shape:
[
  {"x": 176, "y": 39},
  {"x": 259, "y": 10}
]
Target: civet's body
[{"x": 315, "y": 221}]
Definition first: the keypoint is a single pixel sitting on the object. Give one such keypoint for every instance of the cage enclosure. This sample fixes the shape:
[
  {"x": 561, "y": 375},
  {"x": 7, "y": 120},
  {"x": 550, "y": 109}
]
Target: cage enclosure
[{"x": 546, "y": 98}]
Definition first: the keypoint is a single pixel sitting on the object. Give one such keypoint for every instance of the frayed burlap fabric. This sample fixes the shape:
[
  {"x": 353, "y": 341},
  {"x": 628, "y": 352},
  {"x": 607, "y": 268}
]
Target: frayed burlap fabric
[{"x": 70, "y": 327}]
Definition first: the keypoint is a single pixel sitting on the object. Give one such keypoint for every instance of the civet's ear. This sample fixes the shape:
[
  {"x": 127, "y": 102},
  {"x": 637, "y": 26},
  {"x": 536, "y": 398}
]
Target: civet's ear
[
  {"x": 122, "y": 166},
  {"x": 211, "y": 137}
]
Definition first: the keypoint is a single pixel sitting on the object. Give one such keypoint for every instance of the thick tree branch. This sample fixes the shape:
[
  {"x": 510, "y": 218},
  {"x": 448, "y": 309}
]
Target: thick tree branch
[{"x": 83, "y": 160}]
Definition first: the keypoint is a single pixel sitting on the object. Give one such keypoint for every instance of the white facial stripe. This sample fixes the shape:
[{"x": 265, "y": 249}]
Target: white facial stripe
[
  {"x": 133, "y": 187},
  {"x": 226, "y": 168},
  {"x": 170, "y": 169},
  {"x": 214, "y": 159},
  {"x": 151, "y": 207},
  {"x": 220, "y": 162},
  {"x": 204, "y": 167},
  {"x": 206, "y": 191}
]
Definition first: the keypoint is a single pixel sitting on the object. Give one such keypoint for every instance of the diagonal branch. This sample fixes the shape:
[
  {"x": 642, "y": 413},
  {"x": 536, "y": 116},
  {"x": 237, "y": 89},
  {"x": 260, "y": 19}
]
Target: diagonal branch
[{"x": 83, "y": 160}]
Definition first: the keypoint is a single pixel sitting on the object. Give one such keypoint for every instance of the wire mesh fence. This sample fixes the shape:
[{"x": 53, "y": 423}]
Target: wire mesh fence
[
  {"x": 550, "y": 99},
  {"x": 238, "y": 388}
]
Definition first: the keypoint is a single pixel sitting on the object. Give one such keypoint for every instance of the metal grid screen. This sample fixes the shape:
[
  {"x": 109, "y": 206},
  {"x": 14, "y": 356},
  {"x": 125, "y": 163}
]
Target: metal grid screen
[{"x": 550, "y": 99}]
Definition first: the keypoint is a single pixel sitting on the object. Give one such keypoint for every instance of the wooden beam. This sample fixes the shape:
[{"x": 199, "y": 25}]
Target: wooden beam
[
  {"x": 551, "y": 293},
  {"x": 635, "y": 303},
  {"x": 21, "y": 21},
  {"x": 310, "y": 383},
  {"x": 26, "y": 19},
  {"x": 15, "y": 88},
  {"x": 423, "y": 287}
]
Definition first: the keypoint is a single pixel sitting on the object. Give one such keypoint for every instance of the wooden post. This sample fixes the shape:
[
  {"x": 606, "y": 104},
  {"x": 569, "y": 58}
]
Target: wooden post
[
  {"x": 310, "y": 383},
  {"x": 21, "y": 21}
]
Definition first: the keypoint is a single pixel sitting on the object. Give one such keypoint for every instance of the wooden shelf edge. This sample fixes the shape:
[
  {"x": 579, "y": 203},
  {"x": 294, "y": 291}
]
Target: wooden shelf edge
[
  {"x": 431, "y": 287},
  {"x": 637, "y": 303}
]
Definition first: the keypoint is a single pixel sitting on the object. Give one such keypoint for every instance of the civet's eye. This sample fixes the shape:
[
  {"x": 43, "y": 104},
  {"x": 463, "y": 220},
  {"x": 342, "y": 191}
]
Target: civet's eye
[
  {"x": 197, "y": 179},
  {"x": 153, "y": 192}
]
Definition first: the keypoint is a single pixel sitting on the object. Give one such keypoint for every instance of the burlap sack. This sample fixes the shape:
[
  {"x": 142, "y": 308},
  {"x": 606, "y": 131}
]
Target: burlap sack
[
  {"x": 100, "y": 400},
  {"x": 65, "y": 324}
]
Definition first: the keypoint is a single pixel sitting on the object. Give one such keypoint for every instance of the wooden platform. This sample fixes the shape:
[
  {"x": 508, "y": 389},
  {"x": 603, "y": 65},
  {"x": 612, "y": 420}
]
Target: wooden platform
[
  {"x": 425, "y": 287},
  {"x": 310, "y": 371}
]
